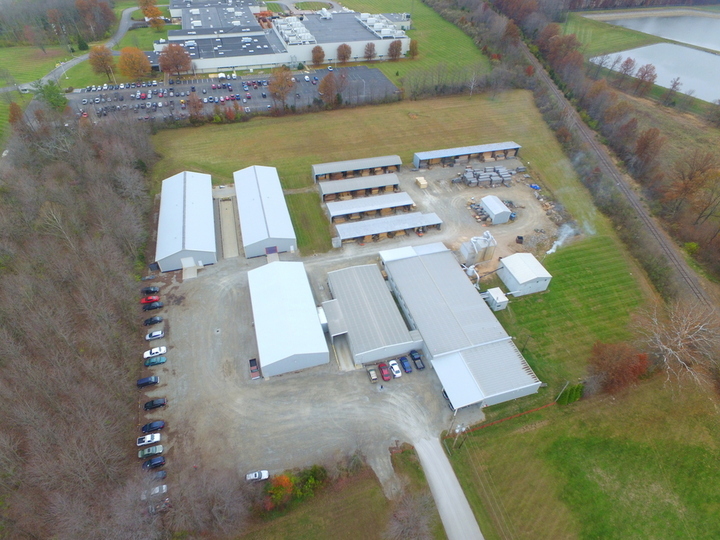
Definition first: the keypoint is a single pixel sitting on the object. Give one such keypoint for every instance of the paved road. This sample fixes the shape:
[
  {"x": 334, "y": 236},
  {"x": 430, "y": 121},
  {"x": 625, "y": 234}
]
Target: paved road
[
  {"x": 455, "y": 513},
  {"x": 687, "y": 278}
]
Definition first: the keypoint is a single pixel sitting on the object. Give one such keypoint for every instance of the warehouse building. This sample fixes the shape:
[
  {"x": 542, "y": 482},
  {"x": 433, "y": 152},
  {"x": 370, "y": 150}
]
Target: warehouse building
[
  {"x": 364, "y": 186},
  {"x": 496, "y": 209},
  {"x": 353, "y": 168},
  {"x": 373, "y": 230},
  {"x": 452, "y": 156},
  {"x": 475, "y": 359},
  {"x": 369, "y": 207},
  {"x": 523, "y": 274},
  {"x": 287, "y": 327},
  {"x": 364, "y": 310},
  {"x": 265, "y": 222},
  {"x": 186, "y": 225}
]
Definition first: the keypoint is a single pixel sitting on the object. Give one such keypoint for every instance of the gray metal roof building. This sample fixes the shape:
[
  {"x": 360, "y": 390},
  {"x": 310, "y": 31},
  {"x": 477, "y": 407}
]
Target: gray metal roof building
[
  {"x": 475, "y": 359},
  {"x": 482, "y": 152},
  {"x": 364, "y": 309},
  {"x": 356, "y": 166},
  {"x": 186, "y": 225},
  {"x": 264, "y": 218},
  {"x": 496, "y": 209},
  {"x": 287, "y": 327},
  {"x": 523, "y": 274},
  {"x": 399, "y": 222},
  {"x": 349, "y": 185},
  {"x": 369, "y": 204}
]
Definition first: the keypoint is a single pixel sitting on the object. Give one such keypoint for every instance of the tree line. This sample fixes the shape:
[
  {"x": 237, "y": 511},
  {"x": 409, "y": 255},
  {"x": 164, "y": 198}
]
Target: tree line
[{"x": 43, "y": 23}]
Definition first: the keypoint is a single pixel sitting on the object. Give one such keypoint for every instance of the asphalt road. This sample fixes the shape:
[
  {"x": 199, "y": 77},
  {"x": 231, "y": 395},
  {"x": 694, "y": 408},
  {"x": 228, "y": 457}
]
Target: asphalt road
[{"x": 457, "y": 517}]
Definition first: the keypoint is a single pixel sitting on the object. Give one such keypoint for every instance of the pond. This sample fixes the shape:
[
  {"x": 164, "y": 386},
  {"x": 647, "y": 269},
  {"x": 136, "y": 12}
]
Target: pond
[
  {"x": 698, "y": 70},
  {"x": 699, "y": 31}
]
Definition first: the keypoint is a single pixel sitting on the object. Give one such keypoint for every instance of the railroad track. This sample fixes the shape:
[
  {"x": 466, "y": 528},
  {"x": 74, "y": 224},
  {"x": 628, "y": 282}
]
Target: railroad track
[{"x": 668, "y": 247}]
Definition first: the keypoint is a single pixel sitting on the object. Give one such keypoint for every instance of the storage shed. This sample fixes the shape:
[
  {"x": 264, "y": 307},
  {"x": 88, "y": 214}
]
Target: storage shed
[
  {"x": 186, "y": 225},
  {"x": 373, "y": 230},
  {"x": 337, "y": 170},
  {"x": 523, "y": 274},
  {"x": 287, "y": 326},
  {"x": 463, "y": 154},
  {"x": 363, "y": 309},
  {"x": 364, "y": 207},
  {"x": 350, "y": 188},
  {"x": 496, "y": 209},
  {"x": 265, "y": 222}
]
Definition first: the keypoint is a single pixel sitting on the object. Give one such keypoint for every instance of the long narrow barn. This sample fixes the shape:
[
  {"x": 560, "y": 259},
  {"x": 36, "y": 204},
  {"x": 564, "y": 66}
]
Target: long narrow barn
[
  {"x": 372, "y": 230},
  {"x": 352, "y": 168},
  {"x": 364, "y": 207},
  {"x": 364, "y": 186},
  {"x": 482, "y": 152}
]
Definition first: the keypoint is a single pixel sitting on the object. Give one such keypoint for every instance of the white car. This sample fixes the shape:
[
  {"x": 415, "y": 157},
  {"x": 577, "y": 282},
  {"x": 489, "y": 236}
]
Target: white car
[
  {"x": 395, "y": 369},
  {"x": 307, "y": 79},
  {"x": 122, "y": 86},
  {"x": 157, "y": 334},
  {"x": 234, "y": 77},
  {"x": 154, "y": 492},
  {"x": 148, "y": 439},
  {"x": 157, "y": 351},
  {"x": 257, "y": 476}
]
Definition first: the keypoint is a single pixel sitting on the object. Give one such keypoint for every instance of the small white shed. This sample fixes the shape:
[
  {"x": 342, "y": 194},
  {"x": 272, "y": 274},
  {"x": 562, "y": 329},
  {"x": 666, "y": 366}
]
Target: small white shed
[
  {"x": 496, "y": 209},
  {"x": 496, "y": 299},
  {"x": 523, "y": 274}
]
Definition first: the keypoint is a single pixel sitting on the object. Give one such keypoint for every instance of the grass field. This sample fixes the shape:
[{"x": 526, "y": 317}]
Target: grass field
[
  {"x": 314, "y": 6},
  {"x": 143, "y": 38},
  {"x": 643, "y": 465},
  {"x": 600, "y": 37},
  {"x": 440, "y": 42},
  {"x": 310, "y": 222},
  {"x": 299, "y": 141},
  {"x": 20, "y": 99},
  {"x": 28, "y": 64},
  {"x": 275, "y": 7}
]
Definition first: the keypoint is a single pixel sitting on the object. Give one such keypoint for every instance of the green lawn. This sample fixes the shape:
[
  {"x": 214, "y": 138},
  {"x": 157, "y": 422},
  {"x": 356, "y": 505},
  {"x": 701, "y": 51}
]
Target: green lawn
[
  {"x": 643, "y": 465},
  {"x": 294, "y": 143},
  {"x": 600, "y": 37},
  {"x": 275, "y": 7},
  {"x": 314, "y": 6},
  {"x": 143, "y": 38},
  {"x": 28, "y": 64},
  {"x": 440, "y": 42},
  {"x": 122, "y": 5},
  {"x": 310, "y": 222}
]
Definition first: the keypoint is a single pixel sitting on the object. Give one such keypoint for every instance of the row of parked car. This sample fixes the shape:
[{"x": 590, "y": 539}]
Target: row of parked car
[
  {"x": 392, "y": 368},
  {"x": 150, "y": 442}
]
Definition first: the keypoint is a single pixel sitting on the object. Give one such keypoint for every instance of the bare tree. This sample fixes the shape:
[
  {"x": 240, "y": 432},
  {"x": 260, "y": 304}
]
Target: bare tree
[
  {"x": 370, "y": 52},
  {"x": 684, "y": 342},
  {"x": 410, "y": 518},
  {"x": 674, "y": 87},
  {"x": 600, "y": 62},
  {"x": 343, "y": 53}
]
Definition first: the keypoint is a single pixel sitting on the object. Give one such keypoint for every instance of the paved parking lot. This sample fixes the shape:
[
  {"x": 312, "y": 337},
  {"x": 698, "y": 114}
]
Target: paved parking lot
[{"x": 164, "y": 101}]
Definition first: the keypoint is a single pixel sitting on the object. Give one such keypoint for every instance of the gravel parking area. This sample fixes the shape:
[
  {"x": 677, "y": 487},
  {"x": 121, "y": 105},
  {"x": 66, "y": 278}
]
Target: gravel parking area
[{"x": 219, "y": 418}]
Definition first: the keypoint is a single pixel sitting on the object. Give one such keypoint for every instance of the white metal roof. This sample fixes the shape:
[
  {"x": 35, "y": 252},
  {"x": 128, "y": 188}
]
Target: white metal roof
[
  {"x": 372, "y": 318},
  {"x": 447, "y": 309},
  {"x": 411, "y": 251},
  {"x": 525, "y": 267},
  {"x": 498, "y": 367},
  {"x": 284, "y": 312},
  {"x": 261, "y": 205},
  {"x": 356, "y": 164},
  {"x": 465, "y": 150},
  {"x": 368, "y": 204},
  {"x": 457, "y": 380},
  {"x": 494, "y": 205},
  {"x": 368, "y": 227},
  {"x": 362, "y": 182},
  {"x": 186, "y": 220}
]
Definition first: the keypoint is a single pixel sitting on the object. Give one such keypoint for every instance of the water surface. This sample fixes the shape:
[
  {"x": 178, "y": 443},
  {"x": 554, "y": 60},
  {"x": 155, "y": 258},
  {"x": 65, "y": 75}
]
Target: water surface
[{"x": 699, "y": 31}]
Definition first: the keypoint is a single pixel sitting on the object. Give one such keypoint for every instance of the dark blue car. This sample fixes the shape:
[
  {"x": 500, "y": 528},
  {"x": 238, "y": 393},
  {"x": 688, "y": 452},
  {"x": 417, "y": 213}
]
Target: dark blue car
[{"x": 405, "y": 363}]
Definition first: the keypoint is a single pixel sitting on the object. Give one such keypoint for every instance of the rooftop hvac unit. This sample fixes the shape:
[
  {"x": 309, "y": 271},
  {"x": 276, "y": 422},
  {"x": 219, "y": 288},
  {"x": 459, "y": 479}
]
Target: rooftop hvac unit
[
  {"x": 236, "y": 23},
  {"x": 325, "y": 14},
  {"x": 386, "y": 32},
  {"x": 378, "y": 26},
  {"x": 231, "y": 10},
  {"x": 195, "y": 11},
  {"x": 371, "y": 20},
  {"x": 364, "y": 16},
  {"x": 196, "y": 23}
]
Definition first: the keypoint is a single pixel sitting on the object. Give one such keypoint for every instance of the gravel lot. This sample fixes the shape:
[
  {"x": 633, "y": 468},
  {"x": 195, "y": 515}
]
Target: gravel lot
[{"x": 218, "y": 418}]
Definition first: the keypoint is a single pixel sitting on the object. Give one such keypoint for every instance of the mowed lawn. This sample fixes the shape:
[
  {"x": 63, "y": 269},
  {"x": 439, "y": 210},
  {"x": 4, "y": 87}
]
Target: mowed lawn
[
  {"x": 642, "y": 465},
  {"x": 28, "y": 64},
  {"x": 294, "y": 143},
  {"x": 600, "y": 37},
  {"x": 275, "y": 7},
  {"x": 143, "y": 38},
  {"x": 440, "y": 42}
]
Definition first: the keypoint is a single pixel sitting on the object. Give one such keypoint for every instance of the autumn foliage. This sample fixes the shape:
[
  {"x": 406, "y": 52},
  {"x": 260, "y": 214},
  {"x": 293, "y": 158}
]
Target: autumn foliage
[
  {"x": 617, "y": 365},
  {"x": 133, "y": 63},
  {"x": 174, "y": 59}
]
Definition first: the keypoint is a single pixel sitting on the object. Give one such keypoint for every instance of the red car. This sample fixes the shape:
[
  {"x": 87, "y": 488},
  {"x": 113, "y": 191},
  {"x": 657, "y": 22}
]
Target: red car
[
  {"x": 150, "y": 299},
  {"x": 384, "y": 372}
]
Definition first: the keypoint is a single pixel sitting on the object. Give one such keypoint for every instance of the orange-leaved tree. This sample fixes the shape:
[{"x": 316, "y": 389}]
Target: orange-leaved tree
[{"x": 133, "y": 63}]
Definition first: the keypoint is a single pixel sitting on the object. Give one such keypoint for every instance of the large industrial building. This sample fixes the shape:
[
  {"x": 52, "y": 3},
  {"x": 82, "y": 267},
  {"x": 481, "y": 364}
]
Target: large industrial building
[
  {"x": 364, "y": 310},
  {"x": 523, "y": 274},
  {"x": 475, "y": 359},
  {"x": 186, "y": 225},
  {"x": 227, "y": 35},
  {"x": 287, "y": 326},
  {"x": 265, "y": 223}
]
